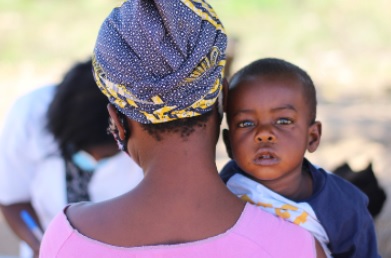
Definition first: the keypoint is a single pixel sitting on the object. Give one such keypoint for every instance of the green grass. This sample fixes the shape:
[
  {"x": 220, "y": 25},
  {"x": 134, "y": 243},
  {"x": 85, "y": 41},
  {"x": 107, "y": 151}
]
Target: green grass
[{"x": 45, "y": 31}]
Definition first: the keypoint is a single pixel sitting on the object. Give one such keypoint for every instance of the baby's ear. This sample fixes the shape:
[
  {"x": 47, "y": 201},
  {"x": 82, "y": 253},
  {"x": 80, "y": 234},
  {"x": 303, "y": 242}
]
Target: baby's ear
[
  {"x": 227, "y": 142},
  {"x": 314, "y": 135},
  {"x": 225, "y": 94}
]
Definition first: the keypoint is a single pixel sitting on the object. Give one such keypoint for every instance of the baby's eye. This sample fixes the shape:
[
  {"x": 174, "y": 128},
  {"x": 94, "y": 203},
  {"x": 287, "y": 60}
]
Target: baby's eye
[
  {"x": 284, "y": 121},
  {"x": 245, "y": 124}
]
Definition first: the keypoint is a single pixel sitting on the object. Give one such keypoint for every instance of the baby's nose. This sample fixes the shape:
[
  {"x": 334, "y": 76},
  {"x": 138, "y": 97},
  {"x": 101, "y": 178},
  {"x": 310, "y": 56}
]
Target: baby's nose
[{"x": 265, "y": 138}]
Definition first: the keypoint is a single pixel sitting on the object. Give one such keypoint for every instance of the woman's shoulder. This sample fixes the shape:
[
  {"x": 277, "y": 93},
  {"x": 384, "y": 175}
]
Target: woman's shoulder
[
  {"x": 264, "y": 229},
  {"x": 256, "y": 232},
  {"x": 63, "y": 239},
  {"x": 82, "y": 215},
  {"x": 57, "y": 233}
]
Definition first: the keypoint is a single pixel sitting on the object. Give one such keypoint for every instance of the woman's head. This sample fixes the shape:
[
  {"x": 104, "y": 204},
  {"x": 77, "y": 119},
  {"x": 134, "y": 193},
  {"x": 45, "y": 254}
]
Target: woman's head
[
  {"x": 161, "y": 61},
  {"x": 77, "y": 115}
]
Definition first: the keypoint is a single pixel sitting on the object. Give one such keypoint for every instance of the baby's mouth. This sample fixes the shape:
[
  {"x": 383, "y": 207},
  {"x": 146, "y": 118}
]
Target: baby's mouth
[{"x": 266, "y": 159}]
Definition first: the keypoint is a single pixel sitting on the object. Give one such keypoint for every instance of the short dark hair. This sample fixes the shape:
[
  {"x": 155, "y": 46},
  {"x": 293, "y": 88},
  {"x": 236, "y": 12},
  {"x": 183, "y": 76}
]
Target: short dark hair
[
  {"x": 77, "y": 116},
  {"x": 276, "y": 67},
  {"x": 183, "y": 126}
]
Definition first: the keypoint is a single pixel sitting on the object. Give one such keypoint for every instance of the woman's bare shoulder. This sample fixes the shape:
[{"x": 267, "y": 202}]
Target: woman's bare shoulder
[
  {"x": 76, "y": 211},
  {"x": 85, "y": 217}
]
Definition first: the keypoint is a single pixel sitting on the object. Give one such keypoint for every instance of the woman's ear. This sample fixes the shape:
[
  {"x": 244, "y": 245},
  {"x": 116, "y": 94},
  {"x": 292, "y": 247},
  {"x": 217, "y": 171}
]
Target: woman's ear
[
  {"x": 117, "y": 122},
  {"x": 121, "y": 130},
  {"x": 314, "y": 133}
]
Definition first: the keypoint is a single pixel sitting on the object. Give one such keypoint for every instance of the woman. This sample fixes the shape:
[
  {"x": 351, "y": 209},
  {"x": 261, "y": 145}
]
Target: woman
[{"x": 160, "y": 64}]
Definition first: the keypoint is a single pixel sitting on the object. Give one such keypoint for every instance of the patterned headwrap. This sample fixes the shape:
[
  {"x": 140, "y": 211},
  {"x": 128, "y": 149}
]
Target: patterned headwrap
[{"x": 161, "y": 60}]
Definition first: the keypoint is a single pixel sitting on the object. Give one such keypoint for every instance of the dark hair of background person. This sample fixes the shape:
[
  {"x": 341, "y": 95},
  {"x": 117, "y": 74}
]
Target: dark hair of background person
[
  {"x": 278, "y": 67},
  {"x": 77, "y": 115}
]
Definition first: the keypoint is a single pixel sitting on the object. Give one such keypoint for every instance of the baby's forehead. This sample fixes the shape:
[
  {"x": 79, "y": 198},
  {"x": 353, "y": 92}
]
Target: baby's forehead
[
  {"x": 267, "y": 91},
  {"x": 267, "y": 82}
]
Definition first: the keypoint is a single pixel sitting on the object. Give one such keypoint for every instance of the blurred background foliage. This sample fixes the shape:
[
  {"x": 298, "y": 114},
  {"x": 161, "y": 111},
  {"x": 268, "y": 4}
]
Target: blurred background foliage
[{"x": 343, "y": 44}]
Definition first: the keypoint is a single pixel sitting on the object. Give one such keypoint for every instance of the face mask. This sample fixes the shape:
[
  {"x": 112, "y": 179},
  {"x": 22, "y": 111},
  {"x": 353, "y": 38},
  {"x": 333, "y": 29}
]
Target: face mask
[{"x": 86, "y": 162}]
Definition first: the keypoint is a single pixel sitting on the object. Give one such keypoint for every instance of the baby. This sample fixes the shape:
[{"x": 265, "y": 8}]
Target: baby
[{"x": 271, "y": 115}]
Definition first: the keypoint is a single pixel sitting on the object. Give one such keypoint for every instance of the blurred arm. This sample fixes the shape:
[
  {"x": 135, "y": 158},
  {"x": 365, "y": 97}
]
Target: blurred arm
[{"x": 12, "y": 216}]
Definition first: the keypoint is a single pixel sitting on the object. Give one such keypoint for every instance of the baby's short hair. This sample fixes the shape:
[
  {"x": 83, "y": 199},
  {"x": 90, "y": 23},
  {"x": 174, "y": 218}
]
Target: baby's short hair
[{"x": 278, "y": 67}]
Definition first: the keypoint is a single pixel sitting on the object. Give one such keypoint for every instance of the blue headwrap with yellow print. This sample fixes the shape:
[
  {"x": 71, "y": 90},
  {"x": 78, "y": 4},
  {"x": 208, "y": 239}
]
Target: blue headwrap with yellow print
[{"x": 161, "y": 60}]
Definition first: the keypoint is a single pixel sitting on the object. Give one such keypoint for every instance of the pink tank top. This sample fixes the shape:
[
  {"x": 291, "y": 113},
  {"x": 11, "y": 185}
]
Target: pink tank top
[{"x": 255, "y": 234}]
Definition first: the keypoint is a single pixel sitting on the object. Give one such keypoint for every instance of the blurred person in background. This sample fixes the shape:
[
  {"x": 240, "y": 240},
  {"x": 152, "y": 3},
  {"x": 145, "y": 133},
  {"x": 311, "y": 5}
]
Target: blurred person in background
[{"x": 55, "y": 149}]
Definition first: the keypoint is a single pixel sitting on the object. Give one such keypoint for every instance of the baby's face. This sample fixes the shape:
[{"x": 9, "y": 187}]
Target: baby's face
[{"x": 269, "y": 129}]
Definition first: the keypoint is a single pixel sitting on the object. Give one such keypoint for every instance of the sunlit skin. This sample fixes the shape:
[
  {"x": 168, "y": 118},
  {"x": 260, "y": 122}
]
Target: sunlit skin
[{"x": 270, "y": 130}]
